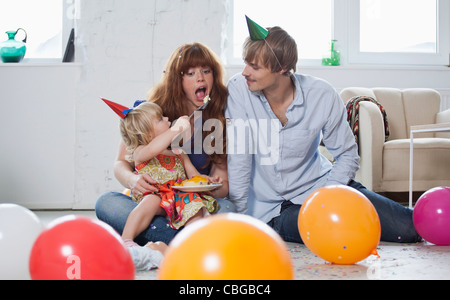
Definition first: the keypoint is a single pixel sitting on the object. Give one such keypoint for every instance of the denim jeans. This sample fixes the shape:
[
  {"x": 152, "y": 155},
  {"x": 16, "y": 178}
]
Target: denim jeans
[
  {"x": 114, "y": 208},
  {"x": 396, "y": 220}
]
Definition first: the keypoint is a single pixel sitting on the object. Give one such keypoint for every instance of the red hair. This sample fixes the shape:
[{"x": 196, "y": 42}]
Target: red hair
[{"x": 170, "y": 96}]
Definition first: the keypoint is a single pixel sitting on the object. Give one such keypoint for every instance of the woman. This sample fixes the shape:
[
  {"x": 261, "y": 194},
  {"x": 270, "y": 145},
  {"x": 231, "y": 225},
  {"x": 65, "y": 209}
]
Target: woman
[{"x": 193, "y": 72}]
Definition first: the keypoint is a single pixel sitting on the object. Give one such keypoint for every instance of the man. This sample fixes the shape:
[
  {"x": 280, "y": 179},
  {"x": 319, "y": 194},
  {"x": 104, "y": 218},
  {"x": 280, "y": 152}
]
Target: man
[{"x": 304, "y": 108}]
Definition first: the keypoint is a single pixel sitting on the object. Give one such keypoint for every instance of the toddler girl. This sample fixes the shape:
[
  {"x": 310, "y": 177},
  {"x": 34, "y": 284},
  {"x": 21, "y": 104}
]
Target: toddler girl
[{"x": 147, "y": 135}]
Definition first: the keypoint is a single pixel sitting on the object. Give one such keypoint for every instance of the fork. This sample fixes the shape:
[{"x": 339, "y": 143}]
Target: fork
[{"x": 200, "y": 108}]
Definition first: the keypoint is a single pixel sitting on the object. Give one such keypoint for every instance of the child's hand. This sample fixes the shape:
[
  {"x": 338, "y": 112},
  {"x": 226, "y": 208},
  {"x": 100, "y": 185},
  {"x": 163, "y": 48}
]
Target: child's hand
[
  {"x": 181, "y": 124},
  {"x": 178, "y": 151}
]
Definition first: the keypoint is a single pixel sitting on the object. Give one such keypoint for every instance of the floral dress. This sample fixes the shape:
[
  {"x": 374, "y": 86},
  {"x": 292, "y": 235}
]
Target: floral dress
[{"x": 179, "y": 206}]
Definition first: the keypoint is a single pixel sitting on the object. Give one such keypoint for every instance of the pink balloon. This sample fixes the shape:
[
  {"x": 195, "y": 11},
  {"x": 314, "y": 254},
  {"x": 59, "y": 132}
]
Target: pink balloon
[{"x": 432, "y": 216}]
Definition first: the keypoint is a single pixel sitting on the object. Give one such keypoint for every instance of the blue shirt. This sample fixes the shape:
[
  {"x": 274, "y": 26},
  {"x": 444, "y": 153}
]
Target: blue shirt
[
  {"x": 269, "y": 163},
  {"x": 195, "y": 151}
]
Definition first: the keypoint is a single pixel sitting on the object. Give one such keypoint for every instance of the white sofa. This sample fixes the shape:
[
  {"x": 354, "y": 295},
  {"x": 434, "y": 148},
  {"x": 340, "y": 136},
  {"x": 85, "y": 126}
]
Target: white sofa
[{"x": 385, "y": 165}]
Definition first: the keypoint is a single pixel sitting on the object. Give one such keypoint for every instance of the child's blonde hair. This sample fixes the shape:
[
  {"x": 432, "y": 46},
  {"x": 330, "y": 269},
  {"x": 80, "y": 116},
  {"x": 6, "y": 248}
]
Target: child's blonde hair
[{"x": 137, "y": 127}]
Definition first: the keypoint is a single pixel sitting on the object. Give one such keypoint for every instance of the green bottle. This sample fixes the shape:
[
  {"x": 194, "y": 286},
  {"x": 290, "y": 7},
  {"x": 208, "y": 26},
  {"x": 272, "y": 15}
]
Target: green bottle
[
  {"x": 12, "y": 51},
  {"x": 332, "y": 58}
]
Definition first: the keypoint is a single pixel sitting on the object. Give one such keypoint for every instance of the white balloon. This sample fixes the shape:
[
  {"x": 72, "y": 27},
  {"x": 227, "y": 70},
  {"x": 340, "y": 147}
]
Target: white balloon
[{"x": 19, "y": 229}]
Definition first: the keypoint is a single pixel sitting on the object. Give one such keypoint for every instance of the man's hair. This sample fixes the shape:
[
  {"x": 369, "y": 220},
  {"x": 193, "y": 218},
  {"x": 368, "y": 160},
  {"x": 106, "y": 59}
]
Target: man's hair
[{"x": 277, "y": 52}]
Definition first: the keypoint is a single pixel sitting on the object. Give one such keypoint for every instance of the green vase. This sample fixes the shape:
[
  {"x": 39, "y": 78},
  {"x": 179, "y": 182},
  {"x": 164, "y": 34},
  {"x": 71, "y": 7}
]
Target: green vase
[
  {"x": 332, "y": 58},
  {"x": 12, "y": 51}
]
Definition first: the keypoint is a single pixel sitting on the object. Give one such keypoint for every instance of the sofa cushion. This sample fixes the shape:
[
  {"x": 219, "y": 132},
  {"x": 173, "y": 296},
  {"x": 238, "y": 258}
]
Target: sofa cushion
[
  {"x": 421, "y": 108},
  {"x": 392, "y": 101},
  {"x": 430, "y": 154}
]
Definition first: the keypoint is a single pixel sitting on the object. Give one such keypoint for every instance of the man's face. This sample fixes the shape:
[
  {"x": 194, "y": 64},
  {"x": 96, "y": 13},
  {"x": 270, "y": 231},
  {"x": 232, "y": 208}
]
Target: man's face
[{"x": 258, "y": 77}]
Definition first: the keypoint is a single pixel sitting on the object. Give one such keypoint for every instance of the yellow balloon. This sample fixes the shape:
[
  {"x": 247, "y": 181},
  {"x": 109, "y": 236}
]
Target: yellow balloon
[
  {"x": 340, "y": 225},
  {"x": 227, "y": 247}
]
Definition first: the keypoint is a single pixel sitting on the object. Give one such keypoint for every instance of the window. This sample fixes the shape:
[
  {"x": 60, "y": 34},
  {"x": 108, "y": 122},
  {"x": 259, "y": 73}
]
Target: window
[
  {"x": 398, "y": 26},
  {"x": 402, "y": 32},
  {"x": 45, "y": 22},
  {"x": 413, "y": 32},
  {"x": 309, "y": 23}
]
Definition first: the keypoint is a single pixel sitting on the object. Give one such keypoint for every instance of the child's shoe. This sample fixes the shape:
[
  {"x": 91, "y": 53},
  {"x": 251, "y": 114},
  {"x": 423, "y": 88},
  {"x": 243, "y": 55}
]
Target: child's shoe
[{"x": 144, "y": 258}]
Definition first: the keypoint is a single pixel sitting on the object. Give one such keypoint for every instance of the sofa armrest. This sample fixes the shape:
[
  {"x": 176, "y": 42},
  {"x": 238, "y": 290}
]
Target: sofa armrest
[
  {"x": 371, "y": 144},
  {"x": 443, "y": 117}
]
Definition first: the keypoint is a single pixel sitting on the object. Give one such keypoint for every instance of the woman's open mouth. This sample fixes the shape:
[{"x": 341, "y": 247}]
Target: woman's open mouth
[{"x": 200, "y": 94}]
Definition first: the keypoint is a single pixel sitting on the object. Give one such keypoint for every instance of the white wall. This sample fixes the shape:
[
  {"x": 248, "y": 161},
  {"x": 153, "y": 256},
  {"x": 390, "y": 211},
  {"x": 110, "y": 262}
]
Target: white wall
[
  {"x": 37, "y": 135},
  {"x": 122, "y": 47}
]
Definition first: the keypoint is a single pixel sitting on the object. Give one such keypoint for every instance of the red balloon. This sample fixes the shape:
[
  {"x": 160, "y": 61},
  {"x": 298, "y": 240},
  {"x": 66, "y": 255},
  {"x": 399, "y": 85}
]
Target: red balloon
[{"x": 80, "y": 248}]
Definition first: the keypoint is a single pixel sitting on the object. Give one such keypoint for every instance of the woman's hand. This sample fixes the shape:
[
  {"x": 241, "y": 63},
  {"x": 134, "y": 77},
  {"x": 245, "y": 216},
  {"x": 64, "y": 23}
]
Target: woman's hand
[
  {"x": 141, "y": 184},
  {"x": 215, "y": 180},
  {"x": 125, "y": 174},
  {"x": 219, "y": 173}
]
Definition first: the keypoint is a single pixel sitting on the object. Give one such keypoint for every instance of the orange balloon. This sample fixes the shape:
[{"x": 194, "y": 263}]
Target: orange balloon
[
  {"x": 127, "y": 192},
  {"x": 227, "y": 247},
  {"x": 340, "y": 225}
]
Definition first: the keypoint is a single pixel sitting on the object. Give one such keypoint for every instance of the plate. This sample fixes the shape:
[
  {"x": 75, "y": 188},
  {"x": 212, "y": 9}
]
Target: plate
[{"x": 198, "y": 188}]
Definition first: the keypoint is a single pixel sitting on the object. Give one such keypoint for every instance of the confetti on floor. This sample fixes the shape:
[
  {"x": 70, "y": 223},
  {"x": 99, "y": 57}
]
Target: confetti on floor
[
  {"x": 420, "y": 261},
  {"x": 397, "y": 261}
]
